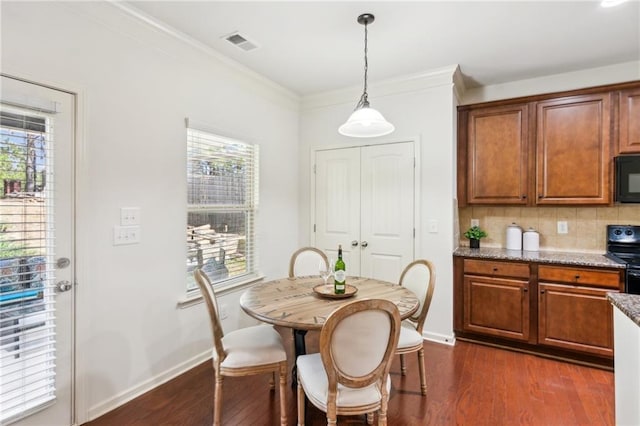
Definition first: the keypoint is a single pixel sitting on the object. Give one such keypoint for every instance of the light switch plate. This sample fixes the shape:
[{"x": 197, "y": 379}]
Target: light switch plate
[
  {"x": 129, "y": 216},
  {"x": 126, "y": 235}
]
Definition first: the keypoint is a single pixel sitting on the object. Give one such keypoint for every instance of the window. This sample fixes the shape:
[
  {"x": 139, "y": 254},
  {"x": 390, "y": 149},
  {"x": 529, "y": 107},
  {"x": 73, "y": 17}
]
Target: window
[
  {"x": 222, "y": 200},
  {"x": 27, "y": 304}
]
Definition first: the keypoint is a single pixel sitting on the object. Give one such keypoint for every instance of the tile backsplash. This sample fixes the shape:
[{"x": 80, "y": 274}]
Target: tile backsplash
[{"x": 586, "y": 225}]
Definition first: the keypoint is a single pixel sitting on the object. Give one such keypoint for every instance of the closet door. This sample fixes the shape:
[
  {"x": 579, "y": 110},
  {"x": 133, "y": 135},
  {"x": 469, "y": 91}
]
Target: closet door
[
  {"x": 386, "y": 210},
  {"x": 337, "y": 210},
  {"x": 364, "y": 201}
]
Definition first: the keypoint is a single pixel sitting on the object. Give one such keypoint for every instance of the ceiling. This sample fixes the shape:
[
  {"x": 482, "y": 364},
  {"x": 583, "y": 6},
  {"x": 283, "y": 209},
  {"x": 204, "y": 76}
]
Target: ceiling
[{"x": 312, "y": 47}]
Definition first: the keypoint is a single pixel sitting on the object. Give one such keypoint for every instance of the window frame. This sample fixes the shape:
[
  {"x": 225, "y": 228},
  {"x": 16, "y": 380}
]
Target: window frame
[{"x": 249, "y": 206}]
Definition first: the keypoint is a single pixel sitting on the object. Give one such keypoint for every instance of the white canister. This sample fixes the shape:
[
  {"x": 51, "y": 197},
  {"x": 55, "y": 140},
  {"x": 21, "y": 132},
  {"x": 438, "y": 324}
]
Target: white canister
[
  {"x": 514, "y": 237},
  {"x": 531, "y": 240}
]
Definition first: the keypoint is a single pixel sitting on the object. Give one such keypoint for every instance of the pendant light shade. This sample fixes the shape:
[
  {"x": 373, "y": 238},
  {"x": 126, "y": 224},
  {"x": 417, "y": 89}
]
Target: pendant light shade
[{"x": 365, "y": 122}]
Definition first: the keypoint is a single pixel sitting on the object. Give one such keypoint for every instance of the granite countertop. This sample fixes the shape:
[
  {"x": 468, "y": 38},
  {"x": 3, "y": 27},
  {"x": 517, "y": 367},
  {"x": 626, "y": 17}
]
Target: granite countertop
[
  {"x": 627, "y": 303},
  {"x": 559, "y": 257}
]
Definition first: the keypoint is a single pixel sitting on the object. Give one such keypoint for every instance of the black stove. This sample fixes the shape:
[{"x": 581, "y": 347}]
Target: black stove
[{"x": 623, "y": 246}]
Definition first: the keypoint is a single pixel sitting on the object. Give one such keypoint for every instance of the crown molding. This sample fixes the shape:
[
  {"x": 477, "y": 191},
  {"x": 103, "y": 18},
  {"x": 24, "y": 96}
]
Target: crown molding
[{"x": 449, "y": 75}]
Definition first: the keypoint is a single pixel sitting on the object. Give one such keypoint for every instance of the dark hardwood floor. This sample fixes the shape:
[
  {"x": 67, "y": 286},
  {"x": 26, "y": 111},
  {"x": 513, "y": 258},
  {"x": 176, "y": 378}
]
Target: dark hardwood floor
[{"x": 468, "y": 384}]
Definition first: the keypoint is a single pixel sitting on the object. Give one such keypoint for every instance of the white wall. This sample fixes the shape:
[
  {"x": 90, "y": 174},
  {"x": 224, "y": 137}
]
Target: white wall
[
  {"x": 422, "y": 109},
  {"x": 136, "y": 86}
]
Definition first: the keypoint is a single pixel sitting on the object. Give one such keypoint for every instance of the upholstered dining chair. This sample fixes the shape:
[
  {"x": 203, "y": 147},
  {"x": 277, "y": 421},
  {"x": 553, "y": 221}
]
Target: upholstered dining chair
[
  {"x": 243, "y": 352},
  {"x": 418, "y": 276},
  {"x": 350, "y": 375},
  {"x": 305, "y": 261}
]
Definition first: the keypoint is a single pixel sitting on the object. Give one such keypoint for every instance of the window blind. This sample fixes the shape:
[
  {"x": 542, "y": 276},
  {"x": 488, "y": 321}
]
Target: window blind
[
  {"x": 27, "y": 296},
  {"x": 222, "y": 201}
]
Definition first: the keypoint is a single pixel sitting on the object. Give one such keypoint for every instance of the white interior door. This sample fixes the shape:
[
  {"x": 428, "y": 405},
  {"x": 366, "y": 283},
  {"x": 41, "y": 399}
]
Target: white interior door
[
  {"x": 337, "y": 212},
  {"x": 36, "y": 254},
  {"x": 364, "y": 201},
  {"x": 387, "y": 210}
]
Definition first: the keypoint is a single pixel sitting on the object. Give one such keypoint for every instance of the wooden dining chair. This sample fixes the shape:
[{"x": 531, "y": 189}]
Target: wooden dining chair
[
  {"x": 305, "y": 261},
  {"x": 419, "y": 276},
  {"x": 350, "y": 375},
  {"x": 244, "y": 352}
]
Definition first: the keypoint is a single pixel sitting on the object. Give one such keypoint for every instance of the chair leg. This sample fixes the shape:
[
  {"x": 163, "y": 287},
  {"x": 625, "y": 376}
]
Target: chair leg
[
  {"x": 272, "y": 381},
  {"x": 370, "y": 418},
  {"x": 300, "y": 405},
  {"x": 403, "y": 365},
  {"x": 217, "y": 400},
  {"x": 283, "y": 393},
  {"x": 382, "y": 412},
  {"x": 423, "y": 376}
]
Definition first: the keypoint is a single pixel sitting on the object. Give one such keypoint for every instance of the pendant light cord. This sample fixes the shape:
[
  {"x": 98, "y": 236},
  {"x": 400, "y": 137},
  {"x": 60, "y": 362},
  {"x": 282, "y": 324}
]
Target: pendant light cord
[{"x": 364, "y": 101}]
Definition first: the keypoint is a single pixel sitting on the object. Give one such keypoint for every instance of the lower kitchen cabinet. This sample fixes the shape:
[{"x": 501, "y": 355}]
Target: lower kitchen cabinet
[
  {"x": 551, "y": 309},
  {"x": 573, "y": 310},
  {"x": 496, "y": 304},
  {"x": 575, "y": 318}
]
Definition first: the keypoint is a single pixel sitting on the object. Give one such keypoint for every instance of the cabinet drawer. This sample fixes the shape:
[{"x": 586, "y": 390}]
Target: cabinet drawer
[
  {"x": 577, "y": 276},
  {"x": 496, "y": 269}
]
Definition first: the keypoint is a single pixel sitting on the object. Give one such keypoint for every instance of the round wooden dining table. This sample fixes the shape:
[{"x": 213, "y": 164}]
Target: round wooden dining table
[{"x": 293, "y": 302}]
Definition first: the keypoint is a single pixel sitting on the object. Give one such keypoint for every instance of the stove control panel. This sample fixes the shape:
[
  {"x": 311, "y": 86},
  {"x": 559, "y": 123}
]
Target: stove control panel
[{"x": 623, "y": 233}]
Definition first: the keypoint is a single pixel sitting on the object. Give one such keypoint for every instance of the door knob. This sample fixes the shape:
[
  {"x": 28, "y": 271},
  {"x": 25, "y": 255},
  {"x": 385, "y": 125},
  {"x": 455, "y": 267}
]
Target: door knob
[
  {"x": 62, "y": 286},
  {"x": 354, "y": 243},
  {"x": 364, "y": 244}
]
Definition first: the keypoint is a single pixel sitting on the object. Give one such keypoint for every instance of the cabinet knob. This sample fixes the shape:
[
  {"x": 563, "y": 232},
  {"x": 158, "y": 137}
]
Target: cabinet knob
[
  {"x": 495, "y": 269},
  {"x": 577, "y": 277},
  {"x": 525, "y": 289},
  {"x": 541, "y": 291},
  {"x": 539, "y": 196},
  {"x": 524, "y": 197}
]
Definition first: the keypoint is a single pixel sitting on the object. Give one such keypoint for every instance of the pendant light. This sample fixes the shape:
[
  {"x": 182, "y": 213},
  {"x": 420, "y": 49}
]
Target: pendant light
[{"x": 365, "y": 122}]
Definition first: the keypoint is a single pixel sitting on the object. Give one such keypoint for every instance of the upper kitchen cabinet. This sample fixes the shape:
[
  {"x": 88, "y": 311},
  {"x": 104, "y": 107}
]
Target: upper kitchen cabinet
[
  {"x": 551, "y": 149},
  {"x": 573, "y": 138},
  {"x": 497, "y": 147},
  {"x": 629, "y": 121}
]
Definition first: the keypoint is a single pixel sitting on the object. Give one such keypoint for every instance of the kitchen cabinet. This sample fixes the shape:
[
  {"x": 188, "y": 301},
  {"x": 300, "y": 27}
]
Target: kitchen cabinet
[
  {"x": 552, "y": 149},
  {"x": 497, "y": 146},
  {"x": 629, "y": 121},
  {"x": 573, "y": 310},
  {"x": 550, "y": 309},
  {"x": 573, "y": 150},
  {"x": 496, "y": 299}
]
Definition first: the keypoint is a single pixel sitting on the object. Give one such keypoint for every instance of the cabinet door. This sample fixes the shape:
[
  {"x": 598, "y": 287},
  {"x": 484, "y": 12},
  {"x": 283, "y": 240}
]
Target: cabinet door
[
  {"x": 575, "y": 318},
  {"x": 629, "y": 131},
  {"x": 497, "y": 143},
  {"x": 496, "y": 307},
  {"x": 573, "y": 137}
]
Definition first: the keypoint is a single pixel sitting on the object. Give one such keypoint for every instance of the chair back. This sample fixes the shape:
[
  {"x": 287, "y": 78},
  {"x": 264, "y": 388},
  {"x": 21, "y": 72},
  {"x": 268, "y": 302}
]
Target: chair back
[
  {"x": 420, "y": 277},
  {"x": 212, "y": 306},
  {"x": 357, "y": 343},
  {"x": 305, "y": 261}
]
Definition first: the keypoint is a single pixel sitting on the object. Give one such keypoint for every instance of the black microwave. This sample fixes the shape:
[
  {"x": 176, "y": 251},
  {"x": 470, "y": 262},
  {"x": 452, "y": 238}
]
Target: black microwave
[{"x": 628, "y": 179}]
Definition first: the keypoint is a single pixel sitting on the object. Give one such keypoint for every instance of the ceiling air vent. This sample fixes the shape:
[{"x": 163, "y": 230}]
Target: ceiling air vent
[{"x": 240, "y": 41}]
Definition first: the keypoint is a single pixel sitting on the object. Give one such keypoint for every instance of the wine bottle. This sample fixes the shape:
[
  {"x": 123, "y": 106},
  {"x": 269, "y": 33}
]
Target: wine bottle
[{"x": 339, "y": 274}]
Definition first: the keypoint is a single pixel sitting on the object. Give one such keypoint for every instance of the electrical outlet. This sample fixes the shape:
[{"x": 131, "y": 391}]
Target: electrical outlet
[
  {"x": 223, "y": 312},
  {"x": 475, "y": 222},
  {"x": 126, "y": 235},
  {"x": 563, "y": 227}
]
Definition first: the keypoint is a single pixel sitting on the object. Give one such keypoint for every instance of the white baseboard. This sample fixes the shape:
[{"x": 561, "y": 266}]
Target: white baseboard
[
  {"x": 137, "y": 390},
  {"x": 439, "y": 338}
]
